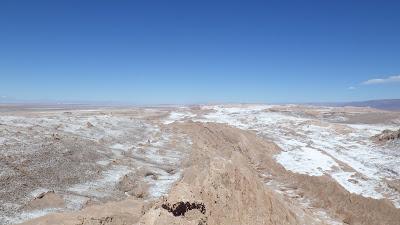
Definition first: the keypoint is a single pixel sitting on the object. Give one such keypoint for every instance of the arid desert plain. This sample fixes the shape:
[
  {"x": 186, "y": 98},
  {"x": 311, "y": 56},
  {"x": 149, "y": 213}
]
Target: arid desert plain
[{"x": 202, "y": 164}]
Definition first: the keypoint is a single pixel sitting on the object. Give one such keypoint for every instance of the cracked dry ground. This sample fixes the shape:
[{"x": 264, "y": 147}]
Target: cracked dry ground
[{"x": 224, "y": 182}]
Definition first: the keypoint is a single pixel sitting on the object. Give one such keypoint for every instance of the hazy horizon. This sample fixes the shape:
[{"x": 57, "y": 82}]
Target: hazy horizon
[{"x": 6, "y": 100}]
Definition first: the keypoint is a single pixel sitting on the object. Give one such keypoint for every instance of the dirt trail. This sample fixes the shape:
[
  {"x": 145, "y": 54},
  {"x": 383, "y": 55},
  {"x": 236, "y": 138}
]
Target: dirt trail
[{"x": 224, "y": 182}]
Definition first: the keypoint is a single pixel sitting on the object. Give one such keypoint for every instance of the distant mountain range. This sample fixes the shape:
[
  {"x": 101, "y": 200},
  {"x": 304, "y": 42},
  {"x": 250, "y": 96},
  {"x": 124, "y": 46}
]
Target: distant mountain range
[{"x": 385, "y": 104}]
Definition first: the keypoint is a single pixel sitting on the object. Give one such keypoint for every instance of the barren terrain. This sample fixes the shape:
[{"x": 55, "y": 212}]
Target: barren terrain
[{"x": 211, "y": 164}]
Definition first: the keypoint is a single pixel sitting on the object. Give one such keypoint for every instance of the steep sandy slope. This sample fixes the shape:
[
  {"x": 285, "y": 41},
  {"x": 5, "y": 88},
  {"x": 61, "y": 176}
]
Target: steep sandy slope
[{"x": 221, "y": 178}]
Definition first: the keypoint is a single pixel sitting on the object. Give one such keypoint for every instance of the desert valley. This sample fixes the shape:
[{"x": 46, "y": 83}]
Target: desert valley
[{"x": 200, "y": 164}]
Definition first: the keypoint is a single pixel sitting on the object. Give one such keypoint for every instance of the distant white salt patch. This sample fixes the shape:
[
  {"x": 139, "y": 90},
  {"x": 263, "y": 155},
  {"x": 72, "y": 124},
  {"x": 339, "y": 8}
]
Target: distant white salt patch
[
  {"x": 371, "y": 130},
  {"x": 103, "y": 162},
  {"x": 75, "y": 202},
  {"x": 248, "y": 117},
  {"x": 2, "y": 140},
  {"x": 163, "y": 183},
  {"x": 354, "y": 185},
  {"x": 38, "y": 192},
  {"x": 102, "y": 187},
  {"x": 291, "y": 144},
  {"x": 221, "y": 117},
  {"x": 339, "y": 119},
  {"x": 16, "y": 121},
  {"x": 306, "y": 161},
  {"x": 30, "y": 215},
  {"x": 119, "y": 149},
  {"x": 178, "y": 116},
  {"x": 122, "y": 146}
]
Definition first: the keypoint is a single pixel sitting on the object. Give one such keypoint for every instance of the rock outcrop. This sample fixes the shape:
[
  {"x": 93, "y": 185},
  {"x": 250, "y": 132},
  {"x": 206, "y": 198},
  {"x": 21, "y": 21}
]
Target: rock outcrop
[{"x": 387, "y": 135}]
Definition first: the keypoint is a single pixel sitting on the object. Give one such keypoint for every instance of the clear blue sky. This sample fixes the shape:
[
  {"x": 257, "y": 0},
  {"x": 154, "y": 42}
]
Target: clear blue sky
[{"x": 199, "y": 51}]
